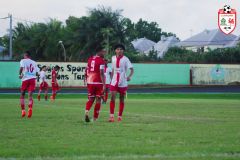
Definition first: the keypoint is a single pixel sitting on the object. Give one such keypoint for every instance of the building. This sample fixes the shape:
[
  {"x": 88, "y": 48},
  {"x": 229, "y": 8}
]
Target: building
[
  {"x": 162, "y": 46},
  {"x": 233, "y": 43},
  {"x": 142, "y": 44},
  {"x": 208, "y": 39}
]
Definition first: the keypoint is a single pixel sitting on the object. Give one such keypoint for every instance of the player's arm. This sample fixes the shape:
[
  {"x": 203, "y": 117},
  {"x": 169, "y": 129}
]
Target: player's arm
[
  {"x": 20, "y": 72},
  {"x": 111, "y": 73},
  {"x": 130, "y": 75},
  {"x": 102, "y": 77},
  {"x": 85, "y": 76},
  {"x": 37, "y": 70}
]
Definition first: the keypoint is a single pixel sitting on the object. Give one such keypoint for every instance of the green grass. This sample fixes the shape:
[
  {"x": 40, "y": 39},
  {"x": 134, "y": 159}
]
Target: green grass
[{"x": 157, "y": 126}]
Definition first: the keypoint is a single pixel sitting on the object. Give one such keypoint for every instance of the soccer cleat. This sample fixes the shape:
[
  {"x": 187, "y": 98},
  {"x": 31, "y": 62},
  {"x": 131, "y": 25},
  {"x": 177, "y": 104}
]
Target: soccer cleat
[
  {"x": 29, "y": 113},
  {"x": 111, "y": 119},
  {"x": 38, "y": 97},
  {"x": 87, "y": 119},
  {"x": 23, "y": 113},
  {"x": 119, "y": 119}
]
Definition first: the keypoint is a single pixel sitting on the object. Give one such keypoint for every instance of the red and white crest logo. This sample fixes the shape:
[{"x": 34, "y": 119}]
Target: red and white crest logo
[{"x": 227, "y": 19}]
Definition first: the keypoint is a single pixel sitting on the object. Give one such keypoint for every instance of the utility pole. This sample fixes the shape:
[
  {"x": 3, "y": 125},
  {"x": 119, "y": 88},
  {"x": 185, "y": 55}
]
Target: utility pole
[
  {"x": 10, "y": 34},
  {"x": 10, "y": 37}
]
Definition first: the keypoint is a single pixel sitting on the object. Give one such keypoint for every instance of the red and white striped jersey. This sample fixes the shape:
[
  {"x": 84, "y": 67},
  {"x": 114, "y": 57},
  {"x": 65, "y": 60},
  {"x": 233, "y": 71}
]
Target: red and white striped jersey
[{"x": 120, "y": 65}]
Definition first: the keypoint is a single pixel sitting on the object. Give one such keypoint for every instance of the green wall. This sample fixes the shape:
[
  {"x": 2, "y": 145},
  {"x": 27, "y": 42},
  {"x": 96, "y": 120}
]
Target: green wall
[
  {"x": 170, "y": 74},
  {"x": 9, "y": 72}
]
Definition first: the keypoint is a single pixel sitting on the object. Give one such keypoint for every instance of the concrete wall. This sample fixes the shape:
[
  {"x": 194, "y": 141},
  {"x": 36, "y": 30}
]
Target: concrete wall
[{"x": 215, "y": 74}]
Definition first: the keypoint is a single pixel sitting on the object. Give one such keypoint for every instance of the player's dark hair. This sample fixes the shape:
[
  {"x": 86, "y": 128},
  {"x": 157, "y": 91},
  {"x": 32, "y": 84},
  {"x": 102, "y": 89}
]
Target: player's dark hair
[
  {"x": 57, "y": 67},
  {"x": 119, "y": 46},
  {"x": 27, "y": 53},
  {"x": 99, "y": 48},
  {"x": 43, "y": 67}
]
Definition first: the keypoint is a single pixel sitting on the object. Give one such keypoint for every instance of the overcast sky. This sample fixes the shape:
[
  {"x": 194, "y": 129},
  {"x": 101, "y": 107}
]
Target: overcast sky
[{"x": 182, "y": 17}]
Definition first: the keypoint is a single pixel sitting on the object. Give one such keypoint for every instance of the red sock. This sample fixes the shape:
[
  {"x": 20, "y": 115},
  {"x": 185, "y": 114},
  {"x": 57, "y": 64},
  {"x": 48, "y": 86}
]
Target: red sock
[
  {"x": 30, "y": 104},
  {"x": 121, "y": 108},
  {"x": 89, "y": 105},
  {"x": 112, "y": 106},
  {"x": 96, "y": 110},
  {"x": 46, "y": 97},
  {"x": 106, "y": 97},
  {"x": 39, "y": 97},
  {"x": 54, "y": 95},
  {"x": 22, "y": 102}
]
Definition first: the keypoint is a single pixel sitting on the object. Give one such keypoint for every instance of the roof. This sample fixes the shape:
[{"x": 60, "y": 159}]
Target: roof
[
  {"x": 207, "y": 38},
  {"x": 233, "y": 43},
  {"x": 143, "y": 44},
  {"x": 163, "y": 45}
]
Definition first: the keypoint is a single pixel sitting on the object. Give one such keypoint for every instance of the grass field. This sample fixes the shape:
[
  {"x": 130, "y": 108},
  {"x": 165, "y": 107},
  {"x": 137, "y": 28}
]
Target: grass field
[{"x": 158, "y": 126}]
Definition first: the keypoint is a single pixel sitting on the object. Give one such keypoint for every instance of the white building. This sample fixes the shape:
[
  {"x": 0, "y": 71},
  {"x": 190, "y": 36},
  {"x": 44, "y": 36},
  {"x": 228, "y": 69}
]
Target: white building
[
  {"x": 162, "y": 46},
  {"x": 142, "y": 44},
  {"x": 208, "y": 39}
]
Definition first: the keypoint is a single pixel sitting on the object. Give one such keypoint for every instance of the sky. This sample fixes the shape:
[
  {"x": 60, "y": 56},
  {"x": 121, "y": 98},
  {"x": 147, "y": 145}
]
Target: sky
[{"x": 182, "y": 17}]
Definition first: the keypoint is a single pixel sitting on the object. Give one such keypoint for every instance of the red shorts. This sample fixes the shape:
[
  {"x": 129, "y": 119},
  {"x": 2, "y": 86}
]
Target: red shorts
[
  {"x": 120, "y": 90},
  {"x": 95, "y": 90},
  {"x": 29, "y": 85},
  {"x": 107, "y": 85},
  {"x": 55, "y": 87},
  {"x": 43, "y": 85}
]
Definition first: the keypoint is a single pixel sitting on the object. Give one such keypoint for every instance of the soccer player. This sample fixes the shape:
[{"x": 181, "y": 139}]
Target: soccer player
[
  {"x": 27, "y": 73},
  {"x": 95, "y": 82},
  {"x": 120, "y": 65},
  {"x": 55, "y": 86},
  {"x": 107, "y": 73},
  {"x": 43, "y": 83}
]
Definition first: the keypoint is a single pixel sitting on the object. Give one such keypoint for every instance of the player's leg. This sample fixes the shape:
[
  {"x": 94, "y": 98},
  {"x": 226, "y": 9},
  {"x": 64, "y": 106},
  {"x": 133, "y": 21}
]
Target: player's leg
[
  {"x": 30, "y": 104},
  {"x": 56, "y": 87},
  {"x": 22, "y": 102},
  {"x": 22, "y": 97},
  {"x": 46, "y": 91},
  {"x": 112, "y": 103},
  {"x": 46, "y": 94},
  {"x": 39, "y": 95},
  {"x": 106, "y": 94},
  {"x": 97, "y": 108},
  {"x": 91, "y": 98},
  {"x": 122, "y": 92},
  {"x": 88, "y": 107},
  {"x": 99, "y": 94},
  {"x": 39, "y": 92},
  {"x": 121, "y": 106},
  {"x": 31, "y": 88},
  {"x": 53, "y": 92}
]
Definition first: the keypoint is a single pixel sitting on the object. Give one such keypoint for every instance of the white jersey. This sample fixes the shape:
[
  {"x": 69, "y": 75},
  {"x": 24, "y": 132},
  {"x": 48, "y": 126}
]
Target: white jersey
[
  {"x": 30, "y": 69},
  {"x": 42, "y": 76},
  {"x": 120, "y": 68},
  {"x": 108, "y": 75}
]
